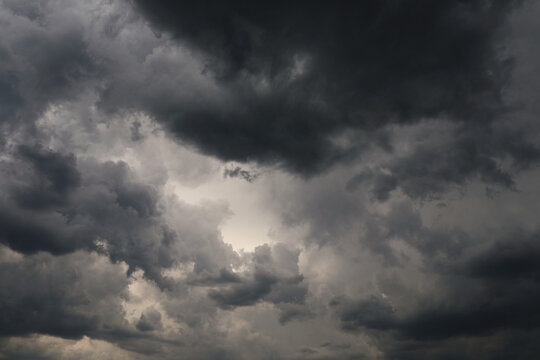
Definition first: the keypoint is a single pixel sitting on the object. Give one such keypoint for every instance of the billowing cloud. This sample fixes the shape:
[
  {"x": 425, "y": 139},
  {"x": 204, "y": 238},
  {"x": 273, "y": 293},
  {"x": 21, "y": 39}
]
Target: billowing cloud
[
  {"x": 68, "y": 296},
  {"x": 299, "y": 76},
  {"x": 231, "y": 180}
]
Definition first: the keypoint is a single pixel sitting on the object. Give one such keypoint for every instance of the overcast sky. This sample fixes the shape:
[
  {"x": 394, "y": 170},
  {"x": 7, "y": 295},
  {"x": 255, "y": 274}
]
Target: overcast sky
[{"x": 269, "y": 180}]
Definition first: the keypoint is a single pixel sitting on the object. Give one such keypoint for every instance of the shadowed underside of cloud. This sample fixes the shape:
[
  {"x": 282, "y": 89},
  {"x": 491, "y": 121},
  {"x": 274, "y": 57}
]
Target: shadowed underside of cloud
[
  {"x": 274, "y": 279},
  {"x": 417, "y": 96},
  {"x": 298, "y": 75},
  {"x": 437, "y": 165},
  {"x": 494, "y": 292},
  {"x": 58, "y": 205},
  {"x": 54, "y": 295}
]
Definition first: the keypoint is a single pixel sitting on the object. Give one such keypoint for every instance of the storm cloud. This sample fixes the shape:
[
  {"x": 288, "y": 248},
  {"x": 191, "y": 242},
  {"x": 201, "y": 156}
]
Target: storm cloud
[
  {"x": 296, "y": 77},
  {"x": 240, "y": 180}
]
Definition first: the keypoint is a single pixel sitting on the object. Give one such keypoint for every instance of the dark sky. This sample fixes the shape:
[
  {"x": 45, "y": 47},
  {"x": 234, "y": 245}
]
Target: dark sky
[{"x": 269, "y": 180}]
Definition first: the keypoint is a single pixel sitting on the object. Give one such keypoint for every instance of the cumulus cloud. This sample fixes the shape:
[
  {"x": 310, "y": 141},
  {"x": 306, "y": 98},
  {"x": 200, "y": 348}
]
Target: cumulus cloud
[
  {"x": 307, "y": 74},
  {"x": 68, "y": 296},
  {"x": 379, "y": 159}
]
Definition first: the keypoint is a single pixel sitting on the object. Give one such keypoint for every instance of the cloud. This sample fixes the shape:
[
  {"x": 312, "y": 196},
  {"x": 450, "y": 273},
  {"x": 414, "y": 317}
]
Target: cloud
[
  {"x": 275, "y": 279},
  {"x": 290, "y": 312},
  {"x": 441, "y": 162},
  {"x": 509, "y": 260},
  {"x": 49, "y": 348},
  {"x": 68, "y": 296},
  {"x": 301, "y": 76},
  {"x": 56, "y": 174},
  {"x": 149, "y": 320},
  {"x": 239, "y": 172},
  {"x": 44, "y": 59},
  {"x": 60, "y": 205},
  {"x": 245, "y": 294},
  {"x": 398, "y": 146},
  {"x": 373, "y": 313},
  {"x": 493, "y": 294}
]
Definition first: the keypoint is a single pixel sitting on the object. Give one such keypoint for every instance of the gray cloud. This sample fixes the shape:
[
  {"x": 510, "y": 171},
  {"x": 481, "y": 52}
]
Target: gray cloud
[
  {"x": 438, "y": 164},
  {"x": 68, "y": 296},
  {"x": 275, "y": 280},
  {"x": 59, "y": 206},
  {"x": 245, "y": 294},
  {"x": 398, "y": 145},
  {"x": 306, "y": 78},
  {"x": 241, "y": 173},
  {"x": 41, "y": 62},
  {"x": 149, "y": 320},
  {"x": 494, "y": 293}
]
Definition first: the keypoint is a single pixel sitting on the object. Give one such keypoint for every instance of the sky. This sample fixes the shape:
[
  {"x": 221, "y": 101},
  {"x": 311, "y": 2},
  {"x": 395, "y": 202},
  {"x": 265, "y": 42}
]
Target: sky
[{"x": 269, "y": 180}]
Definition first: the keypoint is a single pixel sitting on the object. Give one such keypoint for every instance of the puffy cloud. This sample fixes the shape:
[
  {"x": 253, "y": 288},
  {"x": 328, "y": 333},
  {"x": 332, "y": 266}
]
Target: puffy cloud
[
  {"x": 382, "y": 176},
  {"x": 441, "y": 161},
  {"x": 275, "y": 279},
  {"x": 68, "y": 296},
  {"x": 306, "y": 74}
]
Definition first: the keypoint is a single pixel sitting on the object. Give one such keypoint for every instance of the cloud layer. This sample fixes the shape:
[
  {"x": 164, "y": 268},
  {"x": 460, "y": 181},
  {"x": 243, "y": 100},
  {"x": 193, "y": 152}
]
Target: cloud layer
[{"x": 231, "y": 180}]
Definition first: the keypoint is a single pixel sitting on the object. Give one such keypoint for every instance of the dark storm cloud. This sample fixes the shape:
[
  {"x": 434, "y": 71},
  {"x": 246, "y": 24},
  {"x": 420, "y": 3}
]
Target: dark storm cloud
[
  {"x": 492, "y": 295},
  {"x": 274, "y": 279},
  {"x": 263, "y": 286},
  {"x": 55, "y": 173},
  {"x": 299, "y": 74},
  {"x": 520, "y": 345},
  {"x": 39, "y": 66},
  {"x": 39, "y": 183},
  {"x": 59, "y": 295},
  {"x": 29, "y": 234},
  {"x": 513, "y": 260},
  {"x": 445, "y": 321},
  {"x": 373, "y": 313},
  {"x": 59, "y": 205},
  {"x": 224, "y": 276},
  {"x": 245, "y": 294},
  {"x": 417, "y": 95},
  {"x": 404, "y": 223},
  {"x": 290, "y": 312},
  {"x": 437, "y": 165}
]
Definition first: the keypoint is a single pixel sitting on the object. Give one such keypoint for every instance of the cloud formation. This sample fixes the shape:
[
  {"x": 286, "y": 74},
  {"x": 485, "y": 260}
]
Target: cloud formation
[
  {"x": 308, "y": 74},
  {"x": 231, "y": 180}
]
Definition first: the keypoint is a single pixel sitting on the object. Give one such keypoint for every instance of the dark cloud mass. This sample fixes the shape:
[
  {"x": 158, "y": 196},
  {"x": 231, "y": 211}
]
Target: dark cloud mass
[
  {"x": 302, "y": 74},
  {"x": 55, "y": 296},
  {"x": 499, "y": 294},
  {"x": 272, "y": 280},
  {"x": 269, "y": 180}
]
